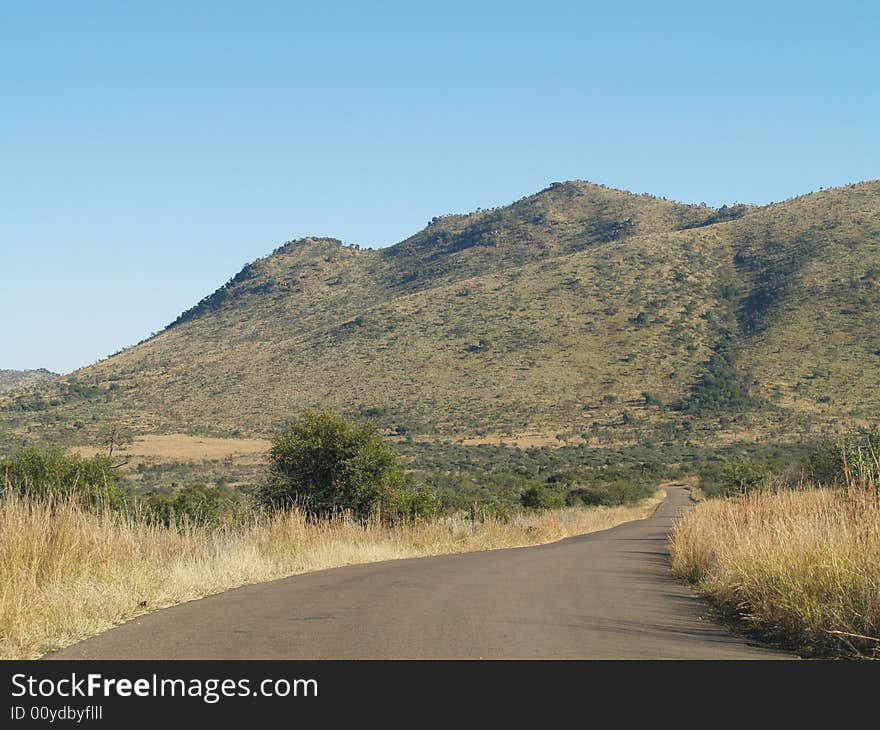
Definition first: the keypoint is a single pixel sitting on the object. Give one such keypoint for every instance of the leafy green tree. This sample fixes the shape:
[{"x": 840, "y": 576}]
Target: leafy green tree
[
  {"x": 325, "y": 464},
  {"x": 55, "y": 474},
  {"x": 540, "y": 497},
  {"x": 191, "y": 506},
  {"x": 412, "y": 503}
]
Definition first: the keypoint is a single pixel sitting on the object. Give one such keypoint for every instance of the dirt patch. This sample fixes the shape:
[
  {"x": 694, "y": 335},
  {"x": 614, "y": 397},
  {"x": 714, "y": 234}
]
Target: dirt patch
[{"x": 181, "y": 447}]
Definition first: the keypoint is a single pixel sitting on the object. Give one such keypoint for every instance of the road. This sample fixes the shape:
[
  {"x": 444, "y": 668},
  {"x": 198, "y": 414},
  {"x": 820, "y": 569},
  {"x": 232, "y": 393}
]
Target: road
[{"x": 606, "y": 595}]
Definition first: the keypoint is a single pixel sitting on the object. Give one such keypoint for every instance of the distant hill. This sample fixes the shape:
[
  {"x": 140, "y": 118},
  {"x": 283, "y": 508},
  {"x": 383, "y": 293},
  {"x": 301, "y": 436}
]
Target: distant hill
[
  {"x": 18, "y": 379},
  {"x": 584, "y": 312}
]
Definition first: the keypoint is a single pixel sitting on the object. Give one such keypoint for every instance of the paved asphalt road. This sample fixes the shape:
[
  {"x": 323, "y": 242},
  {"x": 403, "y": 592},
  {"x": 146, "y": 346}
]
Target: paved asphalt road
[{"x": 607, "y": 595}]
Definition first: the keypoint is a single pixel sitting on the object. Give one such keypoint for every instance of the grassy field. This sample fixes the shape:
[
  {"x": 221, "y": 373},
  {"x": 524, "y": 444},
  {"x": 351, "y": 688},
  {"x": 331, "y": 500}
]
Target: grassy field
[
  {"x": 801, "y": 566},
  {"x": 66, "y": 574}
]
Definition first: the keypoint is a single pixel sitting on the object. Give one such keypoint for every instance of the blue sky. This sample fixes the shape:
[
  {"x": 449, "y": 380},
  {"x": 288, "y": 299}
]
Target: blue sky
[{"x": 148, "y": 150}]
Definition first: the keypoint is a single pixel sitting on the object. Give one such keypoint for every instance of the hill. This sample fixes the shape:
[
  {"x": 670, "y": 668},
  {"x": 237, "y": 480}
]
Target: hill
[
  {"x": 18, "y": 379},
  {"x": 578, "y": 314}
]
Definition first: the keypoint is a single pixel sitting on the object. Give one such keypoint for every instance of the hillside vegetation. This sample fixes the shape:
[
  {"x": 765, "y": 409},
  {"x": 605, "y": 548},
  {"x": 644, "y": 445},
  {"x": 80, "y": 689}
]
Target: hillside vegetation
[
  {"x": 579, "y": 314},
  {"x": 19, "y": 379}
]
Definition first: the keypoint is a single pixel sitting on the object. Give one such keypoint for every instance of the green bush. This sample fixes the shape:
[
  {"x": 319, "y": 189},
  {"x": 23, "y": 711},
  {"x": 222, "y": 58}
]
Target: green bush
[
  {"x": 190, "y": 506},
  {"x": 610, "y": 494},
  {"x": 327, "y": 464},
  {"x": 412, "y": 503},
  {"x": 587, "y": 496},
  {"x": 741, "y": 476},
  {"x": 858, "y": 453},
  {"x": 54, "y": 474},
  {"x": 735, "y": 477},
  {"x": 540, "y": 497}
]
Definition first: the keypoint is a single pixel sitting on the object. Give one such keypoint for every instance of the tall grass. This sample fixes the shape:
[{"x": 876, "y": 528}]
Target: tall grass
[
  {"x": 800, "y": 565},
  {"x": 67, "y": 573}
]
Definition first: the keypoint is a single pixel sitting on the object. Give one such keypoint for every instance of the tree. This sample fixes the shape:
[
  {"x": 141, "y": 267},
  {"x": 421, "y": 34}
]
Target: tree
[
  {"x": 50, "y": 474},
  {"x": 539, "y": 497},
  {"x": 115, "y": 439},
  {"x": 197, "y": 505},
  {"x": 325, "y": 464}
]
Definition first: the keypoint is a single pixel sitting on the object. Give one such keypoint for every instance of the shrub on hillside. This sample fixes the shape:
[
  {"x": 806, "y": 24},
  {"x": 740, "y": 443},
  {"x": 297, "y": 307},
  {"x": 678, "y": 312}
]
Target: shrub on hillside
[
  {"x": 54, "y": 474},
  {"x": 721, "y": 386}
]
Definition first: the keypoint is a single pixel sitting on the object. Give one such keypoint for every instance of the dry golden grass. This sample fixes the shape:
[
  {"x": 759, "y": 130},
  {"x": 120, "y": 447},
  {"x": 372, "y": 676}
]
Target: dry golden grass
[
  {"x": 802, "y": 566},
  {"x": 183, "y": 447},
  {"x": 66, "y": 574}
]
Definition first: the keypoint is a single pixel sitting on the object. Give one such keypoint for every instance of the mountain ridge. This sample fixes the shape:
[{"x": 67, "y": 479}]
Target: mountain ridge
[
  {"x": 580, "y": 310},
  {"x": 16, "y": 379}
]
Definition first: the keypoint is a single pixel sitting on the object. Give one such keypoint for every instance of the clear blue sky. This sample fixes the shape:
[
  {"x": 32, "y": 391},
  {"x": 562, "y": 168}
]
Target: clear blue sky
[{"x": 148, "y": 150}]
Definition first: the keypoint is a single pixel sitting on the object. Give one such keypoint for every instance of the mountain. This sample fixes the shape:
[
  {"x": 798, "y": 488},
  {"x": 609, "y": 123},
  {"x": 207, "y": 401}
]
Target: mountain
[
  {"x": 17, "y": 379},
  {"x": 581, "y": 311}
]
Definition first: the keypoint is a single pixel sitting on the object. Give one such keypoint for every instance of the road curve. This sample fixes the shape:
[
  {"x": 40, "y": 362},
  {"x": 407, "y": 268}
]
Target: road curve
[{"x": 606, "y": 595}]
